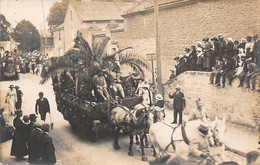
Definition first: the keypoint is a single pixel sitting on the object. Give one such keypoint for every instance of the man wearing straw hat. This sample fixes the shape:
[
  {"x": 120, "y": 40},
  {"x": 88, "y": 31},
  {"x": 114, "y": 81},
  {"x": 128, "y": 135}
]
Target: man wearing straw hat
[{"x": 179, "y": 104}]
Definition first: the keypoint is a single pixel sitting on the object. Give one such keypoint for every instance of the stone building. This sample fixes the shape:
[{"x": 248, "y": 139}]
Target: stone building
[
  {"x": 88, "y": 17},
  {"x": 183, "y": 23}
]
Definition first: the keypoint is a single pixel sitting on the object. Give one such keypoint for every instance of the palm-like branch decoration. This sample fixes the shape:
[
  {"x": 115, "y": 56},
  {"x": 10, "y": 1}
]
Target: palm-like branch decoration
[{"x": 84, "y": 60}]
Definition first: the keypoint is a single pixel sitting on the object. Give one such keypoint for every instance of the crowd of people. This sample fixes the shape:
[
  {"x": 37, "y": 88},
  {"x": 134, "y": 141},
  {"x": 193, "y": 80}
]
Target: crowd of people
[
  {"x": 31, "y": 62},
  {"x": 31, "y": 138},
  {"x": 226, "y": 59}
]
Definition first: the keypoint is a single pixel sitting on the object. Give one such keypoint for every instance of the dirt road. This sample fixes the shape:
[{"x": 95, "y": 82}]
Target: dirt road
[{"x": 70, "y": 149}]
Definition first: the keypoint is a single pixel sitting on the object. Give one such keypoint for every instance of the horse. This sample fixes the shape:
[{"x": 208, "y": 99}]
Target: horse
[
  {"x": 159, "y": 115},
  {"x": 133, "y": 122},
  {"x": 174, "y": 140}
]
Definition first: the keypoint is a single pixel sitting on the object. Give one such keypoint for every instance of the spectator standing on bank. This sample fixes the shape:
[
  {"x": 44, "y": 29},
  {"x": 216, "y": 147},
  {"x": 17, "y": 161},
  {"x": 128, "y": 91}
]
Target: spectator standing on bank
[
  {"x": 207, "y": 54},
  {"x": 256, "y": 50},
  {"x": 229, "y": 49},
  {"x": 249, "y": 48},
  {"x": 179, "y": 104},
  {"x": 42, "y": 106},
  {"x": 10, "y": 99},
  {"x": 222, "y": 45},
  {"x": 19, "y": 93},
  {"x": 200, "y": 55},
  {"x": 214, "y": 49},
  {"x": 193, "y": 58}
]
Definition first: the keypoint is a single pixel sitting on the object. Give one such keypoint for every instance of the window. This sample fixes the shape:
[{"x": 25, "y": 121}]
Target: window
[{"x": 59, "y": 36}]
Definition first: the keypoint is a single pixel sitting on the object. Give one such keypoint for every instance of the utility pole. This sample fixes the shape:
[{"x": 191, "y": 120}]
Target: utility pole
[
  {"x": 158, "y": 59},
  {"x": 44, "y": 29}
]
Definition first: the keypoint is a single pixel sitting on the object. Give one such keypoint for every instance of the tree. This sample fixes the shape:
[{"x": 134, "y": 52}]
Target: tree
[
  {"x": 82, "y": 61},
  {"x": 27, "y": 35},
  {"x": 4, "y": 26},
  {"x": 57, "y": 13}
]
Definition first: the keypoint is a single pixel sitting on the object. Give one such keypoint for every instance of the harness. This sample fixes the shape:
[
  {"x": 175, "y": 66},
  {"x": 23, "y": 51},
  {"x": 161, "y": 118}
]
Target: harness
[
  {"x": 185, "y": 138},
  {"x": 132, "y": 122}
]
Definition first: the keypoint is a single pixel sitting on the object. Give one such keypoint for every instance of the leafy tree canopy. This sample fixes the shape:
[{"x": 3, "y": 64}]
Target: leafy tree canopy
[
  {"x": 57, "y": 13},
  {"x": 4, "y": 26},
  {"x": 27, "y": 35}
]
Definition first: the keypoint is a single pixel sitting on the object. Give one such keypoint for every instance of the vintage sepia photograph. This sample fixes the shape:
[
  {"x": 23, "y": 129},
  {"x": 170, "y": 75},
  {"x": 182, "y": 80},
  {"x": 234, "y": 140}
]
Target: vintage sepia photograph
[{"x": 129, "y": 82}]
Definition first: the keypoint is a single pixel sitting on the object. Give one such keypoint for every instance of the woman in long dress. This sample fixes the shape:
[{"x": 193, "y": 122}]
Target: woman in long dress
[
  {"x": 11, "y": 98},
  {"x": 19, "y": 147}
]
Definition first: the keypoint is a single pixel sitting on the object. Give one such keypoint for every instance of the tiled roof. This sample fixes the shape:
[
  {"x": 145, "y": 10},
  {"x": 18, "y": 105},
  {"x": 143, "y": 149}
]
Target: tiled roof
[
  {"x": 149, "y": 4},
  {"x": 92, "y": 11}
]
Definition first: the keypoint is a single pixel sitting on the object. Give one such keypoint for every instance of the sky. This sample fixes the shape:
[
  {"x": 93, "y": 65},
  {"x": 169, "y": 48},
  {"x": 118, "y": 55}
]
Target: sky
[{"x": 17, "y": 10}]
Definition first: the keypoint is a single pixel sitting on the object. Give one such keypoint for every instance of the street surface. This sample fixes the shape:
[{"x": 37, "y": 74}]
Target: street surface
[{"x": 71, "y": 149}]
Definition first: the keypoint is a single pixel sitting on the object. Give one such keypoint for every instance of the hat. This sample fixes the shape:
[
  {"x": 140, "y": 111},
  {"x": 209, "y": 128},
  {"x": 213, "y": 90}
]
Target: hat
[
  {"x": 45, "y": 127},
  {"x": 187, "y": 49},
  {"x": 38, "y": 123},
  {"x": 18, "y": 111},
  {"x": 236, "y": 42},
  {"x": 17, "y": 87},
  {"x": 220, "y": 35},
  {"x": 205, "y": 39},
  {"x": 214, "y": 39},
  {"x": 26, "y": 118},
  {"x": 176, "y": 58},
  {"x": 249, "y": 37},
  {"x": 11, "y": 86},
  {"x": 203, "y": 128},
  {"x": 177, "y": 87},
  {"x": 193, "y": 46},
  {"x": 159, "y": 97},
  {"x": 33, "y": 116},
  {"x": 40, "y": 93},
  {"x": 230, "y": 39}
]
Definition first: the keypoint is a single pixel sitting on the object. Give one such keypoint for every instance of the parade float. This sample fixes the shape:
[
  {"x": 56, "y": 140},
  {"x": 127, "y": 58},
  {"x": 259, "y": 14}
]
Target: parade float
[{"x": 76, "y": 95}]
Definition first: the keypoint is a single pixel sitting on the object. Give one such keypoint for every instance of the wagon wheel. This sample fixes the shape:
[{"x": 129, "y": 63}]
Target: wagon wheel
[
  {"x": 92, "y": 134},
  {"x": 74, "y": 125}
]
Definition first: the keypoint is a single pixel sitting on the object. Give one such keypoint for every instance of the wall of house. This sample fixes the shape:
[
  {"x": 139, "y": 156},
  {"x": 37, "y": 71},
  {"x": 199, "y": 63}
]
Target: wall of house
[
  {"x": 58, "y": 40},
  {"x": 238, "y": 105},
  {"x": 184, "y": 26},
  {"x": 72, "y": 24}
]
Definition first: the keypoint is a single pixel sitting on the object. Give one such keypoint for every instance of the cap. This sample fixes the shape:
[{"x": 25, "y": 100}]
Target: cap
[{"x": 203, "y": 128}]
